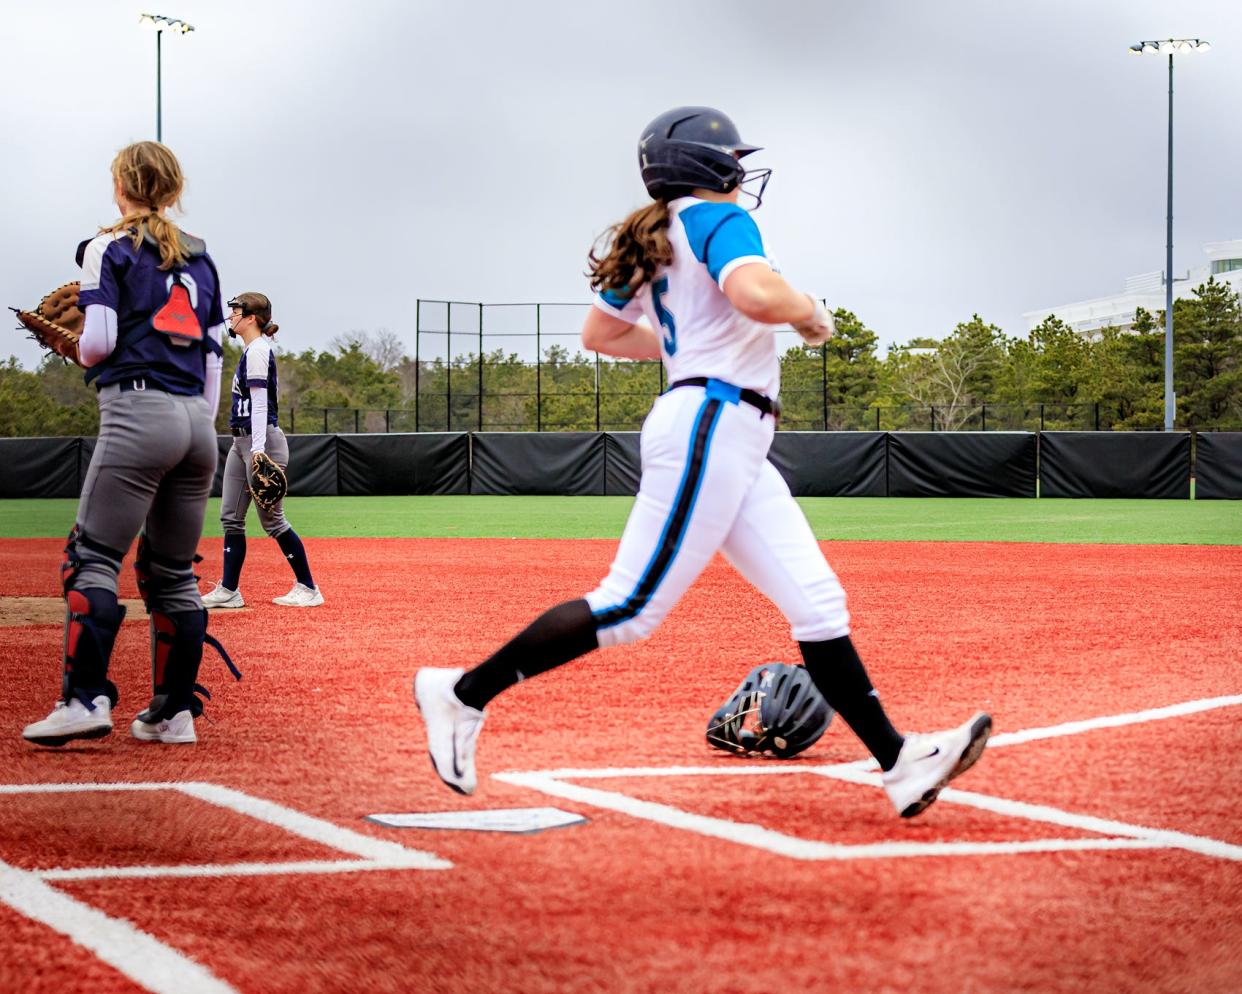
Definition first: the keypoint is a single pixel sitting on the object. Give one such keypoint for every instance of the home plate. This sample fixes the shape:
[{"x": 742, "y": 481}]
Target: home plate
[{"x": 515, "y": 820}]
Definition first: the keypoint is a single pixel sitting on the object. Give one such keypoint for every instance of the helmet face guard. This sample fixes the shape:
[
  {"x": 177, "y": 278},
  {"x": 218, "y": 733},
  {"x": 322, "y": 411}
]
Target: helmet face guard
[
  {"x": 252, "y": 305},
  {"x": 695, "y": 148},
  {"x": 777, "y": 709}
]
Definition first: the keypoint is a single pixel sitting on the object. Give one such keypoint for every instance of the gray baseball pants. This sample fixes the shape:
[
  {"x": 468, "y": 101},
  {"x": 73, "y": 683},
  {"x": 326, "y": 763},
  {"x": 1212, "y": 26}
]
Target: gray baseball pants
[
  {"x": 151, "y": 470},
  {"x": 235, "y": 496}
]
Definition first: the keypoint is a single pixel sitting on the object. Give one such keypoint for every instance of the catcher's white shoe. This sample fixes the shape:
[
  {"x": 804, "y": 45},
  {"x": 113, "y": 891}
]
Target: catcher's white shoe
[
  {"x": 177, "y": 730},
  {"x": 927, "y": 762},
  {"x": 70, "y": 721},
  {"x": 452, "y": 727},
  {"x": 300, "y": 596},
  {"x": 221, "y": 596}
]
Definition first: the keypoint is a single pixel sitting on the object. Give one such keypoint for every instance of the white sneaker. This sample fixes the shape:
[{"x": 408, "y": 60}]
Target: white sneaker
[
  {"x": 221, "y": 596},
  {"x": 452, "y": 727},
  {"x": 177, "y": 730},
  {"x": 72, "y": 721},
  {"x": 300, "y": 596},
  {"x": 927, "y": 762}
]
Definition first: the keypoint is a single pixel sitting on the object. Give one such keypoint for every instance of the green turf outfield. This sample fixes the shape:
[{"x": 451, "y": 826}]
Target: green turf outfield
[{"x": 1177, "y": 522}]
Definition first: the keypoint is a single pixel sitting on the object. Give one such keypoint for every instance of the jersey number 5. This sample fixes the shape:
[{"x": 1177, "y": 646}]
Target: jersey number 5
[{"x": 658, "y": 289}]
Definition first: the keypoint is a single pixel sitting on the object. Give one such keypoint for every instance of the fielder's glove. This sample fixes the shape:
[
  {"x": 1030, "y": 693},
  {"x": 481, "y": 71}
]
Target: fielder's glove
[
  {"x": 819, "y": 327},
  {"x": 57, "y": 322},
  {"x": 268, "y": 483}
]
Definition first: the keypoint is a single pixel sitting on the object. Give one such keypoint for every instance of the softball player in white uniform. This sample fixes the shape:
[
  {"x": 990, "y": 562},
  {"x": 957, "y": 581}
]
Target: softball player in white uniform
[{"x": 693, "y": 265}]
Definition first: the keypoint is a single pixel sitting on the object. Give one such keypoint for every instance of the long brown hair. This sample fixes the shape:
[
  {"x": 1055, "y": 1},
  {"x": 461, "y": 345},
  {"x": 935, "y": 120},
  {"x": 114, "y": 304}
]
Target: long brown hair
[
  {"x": 634, "y": 249},
  {"x": 150, "y": 177}
]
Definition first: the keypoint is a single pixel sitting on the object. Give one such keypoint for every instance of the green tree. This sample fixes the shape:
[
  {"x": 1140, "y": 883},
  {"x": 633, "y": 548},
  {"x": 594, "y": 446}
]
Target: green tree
[
  {"x": 955, "y": 378},
  {"x": 51, "y": 400},
  {"x": 1207, "y": 354},
  {"x": 1127, "y": 374},
  {"x": 853, "y": 372}
]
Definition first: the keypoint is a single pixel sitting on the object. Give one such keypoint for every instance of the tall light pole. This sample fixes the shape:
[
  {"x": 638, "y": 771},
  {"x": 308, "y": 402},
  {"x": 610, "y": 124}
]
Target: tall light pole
[
  {"x": 1169, "y": 47},
  {"x": 159, "y": 23}
]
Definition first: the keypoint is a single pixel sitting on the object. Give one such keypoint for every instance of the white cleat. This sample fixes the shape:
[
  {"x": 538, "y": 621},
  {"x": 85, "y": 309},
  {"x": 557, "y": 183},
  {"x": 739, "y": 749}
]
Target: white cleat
[
  {"x": 452, "y": 727},
  {"x": 70, "y": 721},
  {"x": 221, "y": 596},
  {"x": 300, "y": 596},
  {"x": 177, "y": 730},
  {"x": 927, "y": 762}
]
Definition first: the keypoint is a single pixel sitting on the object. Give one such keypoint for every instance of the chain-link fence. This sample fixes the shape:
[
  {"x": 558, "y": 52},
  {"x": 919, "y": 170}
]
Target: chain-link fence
[{"x": 520, "y": 367}]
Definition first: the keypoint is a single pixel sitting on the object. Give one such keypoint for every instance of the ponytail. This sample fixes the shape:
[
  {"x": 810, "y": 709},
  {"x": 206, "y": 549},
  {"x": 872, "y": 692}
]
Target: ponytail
[
  {"x": 635, "y": 249},
  {"x": 166, "y": 234},
  {"x": 270, "y": 328}
]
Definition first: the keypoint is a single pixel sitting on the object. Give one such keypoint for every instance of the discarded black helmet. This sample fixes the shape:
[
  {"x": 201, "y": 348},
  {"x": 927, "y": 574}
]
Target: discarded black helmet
[
  {"x": 691, "y": 148},
  {"x": 776, "y": 709}
]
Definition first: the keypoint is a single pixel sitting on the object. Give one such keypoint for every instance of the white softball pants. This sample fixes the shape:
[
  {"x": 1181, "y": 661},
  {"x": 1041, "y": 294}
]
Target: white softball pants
[{"x": 707, "y": 486}]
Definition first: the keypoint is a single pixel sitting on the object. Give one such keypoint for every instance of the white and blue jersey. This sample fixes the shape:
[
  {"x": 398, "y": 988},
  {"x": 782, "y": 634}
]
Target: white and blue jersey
[
  {"x": 701, "y": 333},
  {"x": 707, "y": 486},
  {"x": 255, "y": 370},
  {"x": 129, "y": 282}
]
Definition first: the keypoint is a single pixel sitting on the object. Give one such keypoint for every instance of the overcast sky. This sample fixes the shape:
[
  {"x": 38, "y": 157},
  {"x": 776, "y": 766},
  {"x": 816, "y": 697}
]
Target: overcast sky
[{"x": 931, "y": 159}]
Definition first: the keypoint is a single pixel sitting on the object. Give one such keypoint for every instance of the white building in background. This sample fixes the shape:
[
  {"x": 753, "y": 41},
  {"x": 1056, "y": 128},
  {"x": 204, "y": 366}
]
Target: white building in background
[{"x": 1224, "y": 261}]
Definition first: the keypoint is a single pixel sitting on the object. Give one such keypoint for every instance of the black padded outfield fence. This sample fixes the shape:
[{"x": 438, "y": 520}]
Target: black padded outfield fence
[
  {"x": 815, "y": 464},
  {"x": 1218, "y": 465},
  {"x": 1114, "y": 464}
]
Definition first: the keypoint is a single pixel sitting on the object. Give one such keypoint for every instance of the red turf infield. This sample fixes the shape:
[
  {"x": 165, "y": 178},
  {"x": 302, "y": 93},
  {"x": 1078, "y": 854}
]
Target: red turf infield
[{"x": 322, "y": 723}]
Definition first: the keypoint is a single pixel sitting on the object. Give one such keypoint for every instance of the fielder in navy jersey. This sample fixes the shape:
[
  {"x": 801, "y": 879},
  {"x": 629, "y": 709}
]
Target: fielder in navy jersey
[
  {"x": 152, "y": 345},
  {"x": 255, "y": 427},
  {"x": 687, "y": 280}
]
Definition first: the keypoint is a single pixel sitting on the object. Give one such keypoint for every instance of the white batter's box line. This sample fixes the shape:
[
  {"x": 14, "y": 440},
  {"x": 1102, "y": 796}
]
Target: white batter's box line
[
  {"x": 1115, "y": 834},
  {"x": 369, "y": 853},
  {"x": 139, "y": 956}
]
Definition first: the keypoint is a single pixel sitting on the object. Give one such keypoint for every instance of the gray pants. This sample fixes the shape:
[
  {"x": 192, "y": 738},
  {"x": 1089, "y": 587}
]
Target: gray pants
[
  {"x": 235, "y": 496},
  {"x": 151, "y": 470}
]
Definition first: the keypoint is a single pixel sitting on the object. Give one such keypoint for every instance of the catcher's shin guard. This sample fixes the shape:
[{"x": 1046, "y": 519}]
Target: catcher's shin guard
[
  {"x": 176, "y": 653},
  {"x": 92, "y": 619}
]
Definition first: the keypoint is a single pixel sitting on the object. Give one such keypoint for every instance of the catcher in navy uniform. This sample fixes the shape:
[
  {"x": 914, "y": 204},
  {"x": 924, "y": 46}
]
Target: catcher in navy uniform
[
  {"x": 151, "y": 345},
  {"x": 257, "y": 461}
]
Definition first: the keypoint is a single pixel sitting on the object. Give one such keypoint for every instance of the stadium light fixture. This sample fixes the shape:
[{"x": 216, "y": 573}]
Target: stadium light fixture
[
  {"x": 1169, "y": 47},
  {"x": 159, "y": 23}
]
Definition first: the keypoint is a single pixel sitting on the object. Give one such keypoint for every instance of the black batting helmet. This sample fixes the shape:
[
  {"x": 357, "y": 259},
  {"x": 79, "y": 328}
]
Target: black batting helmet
[
  {"x": 776, "y": 709},
  {"x": 691, "y": 148}
]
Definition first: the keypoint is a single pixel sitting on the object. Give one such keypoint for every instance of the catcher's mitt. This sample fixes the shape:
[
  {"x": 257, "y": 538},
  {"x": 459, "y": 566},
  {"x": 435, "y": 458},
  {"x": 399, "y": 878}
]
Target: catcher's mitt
[
  {"x": 57, "y": 322},
  {"x": 268, "y": 483}
]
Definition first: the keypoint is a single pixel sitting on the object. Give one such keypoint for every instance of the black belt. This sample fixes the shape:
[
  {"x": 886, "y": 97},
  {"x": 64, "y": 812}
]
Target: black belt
[
  {"x": 764, "y": 404},
  {"x": 239, "y": 431},
  {"x": 138, "y": 384}
]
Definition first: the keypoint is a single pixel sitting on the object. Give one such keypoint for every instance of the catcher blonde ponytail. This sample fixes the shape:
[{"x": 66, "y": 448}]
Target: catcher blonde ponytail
[
  {"x": 635, "y": 248},
  {"x": 149, "y": 176}
]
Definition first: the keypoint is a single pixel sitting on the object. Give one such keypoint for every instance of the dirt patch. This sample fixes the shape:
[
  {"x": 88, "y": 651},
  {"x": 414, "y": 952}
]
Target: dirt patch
[{"x": 19, "y": 611}]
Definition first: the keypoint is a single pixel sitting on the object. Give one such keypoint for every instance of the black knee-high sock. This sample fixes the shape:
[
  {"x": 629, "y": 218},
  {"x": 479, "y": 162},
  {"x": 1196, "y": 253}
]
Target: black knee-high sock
[
  {"x": 842, "y": 679},
  {"x": 565, "y": 632},
  {"x": 234, "y": 556},
  {"x": 295, "y": 552}
]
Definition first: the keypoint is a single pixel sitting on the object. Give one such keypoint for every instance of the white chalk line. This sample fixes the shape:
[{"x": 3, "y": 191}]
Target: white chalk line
[
  {"x": 124, "y": 947},
  {"x": 1118, "y": 835},
  {"x": 780, "y": 767},
  {"x": 141, "y": 957},
  {"x": 225, "y": 869},
  {"x": 770, "y": 840}
]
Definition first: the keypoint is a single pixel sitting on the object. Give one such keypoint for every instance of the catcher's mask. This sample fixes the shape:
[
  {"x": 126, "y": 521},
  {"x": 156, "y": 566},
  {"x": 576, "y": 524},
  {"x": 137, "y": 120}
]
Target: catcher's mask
[
  {"x": 253, "y": 305},
  {"x": 690, "y": 148},
  {"x": 776, "y": 709}
]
